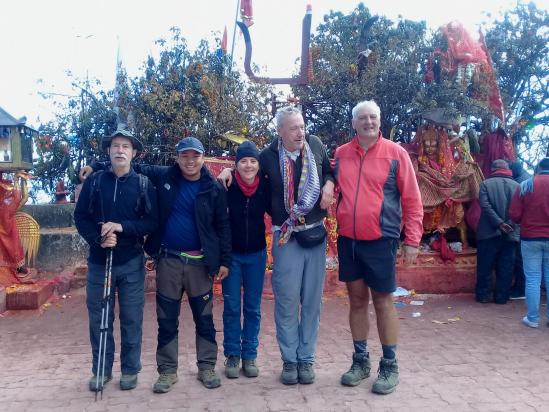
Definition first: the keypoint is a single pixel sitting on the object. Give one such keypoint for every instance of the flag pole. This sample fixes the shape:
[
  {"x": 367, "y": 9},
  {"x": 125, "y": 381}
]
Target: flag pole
[{"x": 234, "y": 32}]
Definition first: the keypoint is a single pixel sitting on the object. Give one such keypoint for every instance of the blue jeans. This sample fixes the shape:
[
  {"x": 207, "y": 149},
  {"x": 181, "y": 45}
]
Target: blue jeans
[
  {"x": 535, "y": 257},
  {"x": 298, "y": 283},
  {"x": 247, "y": 271},
  {"x": 129, "y": 281}
]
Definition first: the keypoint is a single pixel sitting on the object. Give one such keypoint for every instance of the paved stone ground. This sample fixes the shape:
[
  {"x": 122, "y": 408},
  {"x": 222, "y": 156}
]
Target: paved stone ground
[{"x": 483, "y": 360}]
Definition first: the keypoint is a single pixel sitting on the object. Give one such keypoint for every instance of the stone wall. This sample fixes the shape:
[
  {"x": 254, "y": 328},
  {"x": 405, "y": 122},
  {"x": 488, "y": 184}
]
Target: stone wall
[{"x": 61, "y": 246}]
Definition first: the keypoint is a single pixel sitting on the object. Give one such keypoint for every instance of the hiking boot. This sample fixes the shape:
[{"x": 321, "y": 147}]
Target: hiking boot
[
  {"x": 360, "y": 369},
  {"x": 232, "y": 367},
  {"x": 529, "y": 323},
  {"x": 289, "y": 373},
  {"x": 249, "y": 368},
  {"x": 305, "y": 373},
  {"x": 387, "y": 379},
  {"x": 164, "y": 382},
  {"x": 209, "y": 378},
  {"x": 95, "y": 385},
  {"x": 128, "y": 381}
]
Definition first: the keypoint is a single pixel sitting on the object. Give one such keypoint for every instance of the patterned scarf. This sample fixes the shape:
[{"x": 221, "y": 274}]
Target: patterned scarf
[{"x": 307, "y": 193}]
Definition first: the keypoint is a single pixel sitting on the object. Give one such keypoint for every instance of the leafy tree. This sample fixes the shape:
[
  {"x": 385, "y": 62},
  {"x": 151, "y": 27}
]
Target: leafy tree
[
  {"x": 518, "y": 43},
  {"x": 181, "y": 93},
  {"x": 73, "y": 136},
  {"x": 392, "y": 75},
  {"x": 194, "y": 93}
]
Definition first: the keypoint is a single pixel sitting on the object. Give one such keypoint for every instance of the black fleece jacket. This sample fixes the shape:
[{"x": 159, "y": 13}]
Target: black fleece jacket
[
  {"x": 247, "y": 216},
  {"x": 211, "y": 212},
  {"x": 117, "y": 201}
]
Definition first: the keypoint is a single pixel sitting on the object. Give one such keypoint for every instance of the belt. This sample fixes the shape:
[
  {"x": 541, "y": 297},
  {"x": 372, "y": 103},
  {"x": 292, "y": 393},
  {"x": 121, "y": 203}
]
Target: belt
[
  {"x": 301, "y": 228},
  {"x": 185, "y": 257}
]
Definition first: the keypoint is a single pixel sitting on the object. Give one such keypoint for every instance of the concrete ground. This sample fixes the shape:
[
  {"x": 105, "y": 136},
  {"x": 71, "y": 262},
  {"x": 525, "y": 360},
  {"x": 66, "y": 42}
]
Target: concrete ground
[{"x": 456, "y": 355}]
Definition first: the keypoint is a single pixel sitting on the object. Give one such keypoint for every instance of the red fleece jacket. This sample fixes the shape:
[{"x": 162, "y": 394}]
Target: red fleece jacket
[{"x": 379, "y": 192}]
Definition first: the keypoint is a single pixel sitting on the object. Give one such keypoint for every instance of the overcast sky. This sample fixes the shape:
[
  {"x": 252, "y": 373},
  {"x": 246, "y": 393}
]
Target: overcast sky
[{"x": 42, "y": 39}]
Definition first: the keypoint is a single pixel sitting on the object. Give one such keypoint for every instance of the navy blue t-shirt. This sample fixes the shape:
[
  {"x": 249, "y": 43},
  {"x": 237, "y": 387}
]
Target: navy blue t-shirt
[{"x": 181, "y": 232}]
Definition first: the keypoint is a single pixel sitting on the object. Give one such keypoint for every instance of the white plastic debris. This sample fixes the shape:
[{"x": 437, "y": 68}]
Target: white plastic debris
[{"x": 400, "y": 291}]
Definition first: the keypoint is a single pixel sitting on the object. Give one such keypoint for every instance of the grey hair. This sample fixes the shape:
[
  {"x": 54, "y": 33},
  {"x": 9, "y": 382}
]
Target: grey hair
[
  {"x": 366, "y": 103},
  {"x": 284, "y": 112}
]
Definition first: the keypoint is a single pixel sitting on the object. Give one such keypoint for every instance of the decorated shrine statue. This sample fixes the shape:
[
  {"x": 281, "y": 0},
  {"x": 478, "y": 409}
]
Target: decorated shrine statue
[
  {"x": 13, "y": 195},
  {"x": 447, "y": 179}
]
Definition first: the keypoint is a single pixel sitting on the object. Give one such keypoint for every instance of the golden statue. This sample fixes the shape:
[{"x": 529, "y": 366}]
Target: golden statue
[
  {"x": 447, "y": 179},
  {"x": 19, "y": 232}
]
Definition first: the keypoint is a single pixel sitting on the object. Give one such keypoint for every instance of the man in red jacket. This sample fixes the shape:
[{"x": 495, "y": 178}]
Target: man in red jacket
[
  {"x": 530, "y": 208},
  {"x": 379, "y": 194}
]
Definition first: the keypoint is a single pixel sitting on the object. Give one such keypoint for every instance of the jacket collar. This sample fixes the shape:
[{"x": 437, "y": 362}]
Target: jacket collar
[
  {"x": 356, "y": 143},
  {"x": 129, "y": 174}
]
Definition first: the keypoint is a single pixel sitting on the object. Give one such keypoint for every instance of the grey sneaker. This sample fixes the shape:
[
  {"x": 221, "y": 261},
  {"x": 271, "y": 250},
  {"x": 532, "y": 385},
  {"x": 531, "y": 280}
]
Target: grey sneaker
[
  {"x": 305, "y": 373},
  {"x": 360, "y": 369},
  {"x": 387, "y": 379},
  {"x": 165, "y": 382},
  {"x": 128, "y": 381},
  {"x": 249, "y": 368},
  {"x": 209, "y": 378},
  {"x": 232, "y": 367},
  {"x": 95, "y": 385},
  {"x": 289, "y": 373},
  {"x": 529, "y": 323}
]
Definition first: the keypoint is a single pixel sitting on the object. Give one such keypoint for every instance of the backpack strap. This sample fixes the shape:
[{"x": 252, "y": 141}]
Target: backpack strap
[
  {"x": 143, "y": 202},
  {"x": 95, "y": 194}
]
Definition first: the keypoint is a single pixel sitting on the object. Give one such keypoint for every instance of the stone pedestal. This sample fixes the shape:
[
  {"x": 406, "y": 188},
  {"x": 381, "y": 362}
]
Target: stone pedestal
[
  {"x": 61, "y": 246},
  {"x": 20, "y": 297},
  {"x": 430, "y": 274}
]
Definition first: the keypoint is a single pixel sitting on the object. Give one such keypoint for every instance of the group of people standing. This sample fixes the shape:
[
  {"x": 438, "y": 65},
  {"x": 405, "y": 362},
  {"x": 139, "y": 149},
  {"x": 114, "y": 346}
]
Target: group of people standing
[
  {"x": 513, "y": 236},
  {"x": 197, "y": 230}
]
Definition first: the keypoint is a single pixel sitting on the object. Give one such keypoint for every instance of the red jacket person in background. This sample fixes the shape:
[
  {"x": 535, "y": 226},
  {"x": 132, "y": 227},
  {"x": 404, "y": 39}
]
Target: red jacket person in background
[
  {"x": 379, "y": 194},
  {"x": 530, "y": 208}
]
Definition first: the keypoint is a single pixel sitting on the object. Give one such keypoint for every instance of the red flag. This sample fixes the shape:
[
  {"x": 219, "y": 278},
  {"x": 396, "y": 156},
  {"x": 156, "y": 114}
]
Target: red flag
[
  {"x": 224, "y": 41},
  {"x": 246, "y": 12},
  {"x": 494, "y": 99}
]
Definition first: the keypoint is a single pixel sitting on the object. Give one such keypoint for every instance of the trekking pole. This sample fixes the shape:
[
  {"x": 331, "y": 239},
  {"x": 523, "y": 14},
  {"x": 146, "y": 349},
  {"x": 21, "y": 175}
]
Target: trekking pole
[{"x": 104, "y": 326}]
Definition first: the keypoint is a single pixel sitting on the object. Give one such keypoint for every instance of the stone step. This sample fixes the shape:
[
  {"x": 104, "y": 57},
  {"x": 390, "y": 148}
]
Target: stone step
[
  {"x": 50, "y": 215},
  {"x": 60, "y": 248},
  {"x": 28, "y": 297}
]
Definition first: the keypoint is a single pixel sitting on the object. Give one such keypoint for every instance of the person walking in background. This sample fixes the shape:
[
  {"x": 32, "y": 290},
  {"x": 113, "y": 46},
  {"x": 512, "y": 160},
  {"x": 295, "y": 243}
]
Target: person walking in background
[{"x": 530, "y": 208}]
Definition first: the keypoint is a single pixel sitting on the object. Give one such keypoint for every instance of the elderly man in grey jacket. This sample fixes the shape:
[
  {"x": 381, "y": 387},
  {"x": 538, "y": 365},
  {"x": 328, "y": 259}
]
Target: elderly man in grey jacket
[{"x": 497, "y": 235}]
